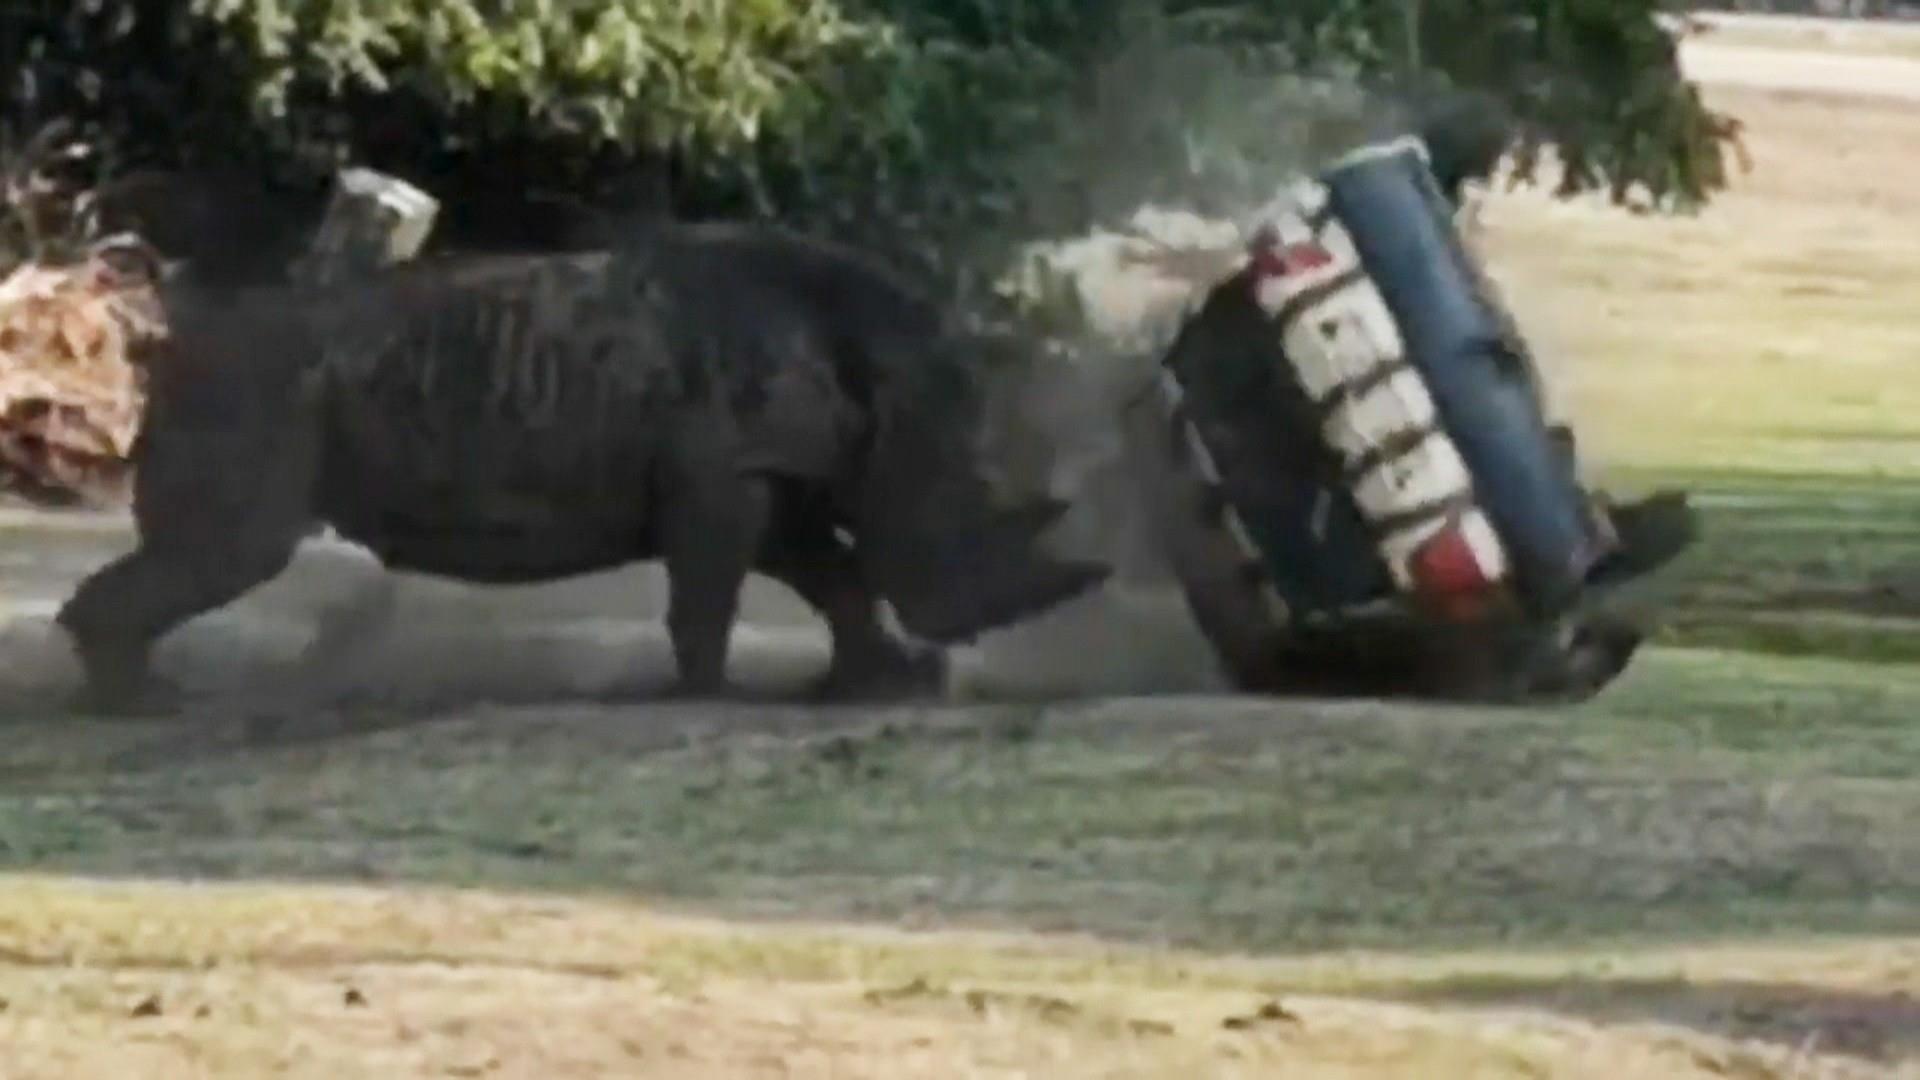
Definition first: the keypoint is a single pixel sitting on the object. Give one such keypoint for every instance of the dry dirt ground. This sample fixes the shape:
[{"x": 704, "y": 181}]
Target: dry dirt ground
[
  {"x": 1712, "y": 871},
  {"x": 166, "y": 981}
]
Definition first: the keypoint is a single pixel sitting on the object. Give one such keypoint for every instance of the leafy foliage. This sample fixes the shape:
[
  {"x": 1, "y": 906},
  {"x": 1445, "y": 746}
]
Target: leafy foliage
[
  {"x": 915, "y": 125},
  {"x": 1597, "y": 79},
  {"x": 707, "y": 76}
]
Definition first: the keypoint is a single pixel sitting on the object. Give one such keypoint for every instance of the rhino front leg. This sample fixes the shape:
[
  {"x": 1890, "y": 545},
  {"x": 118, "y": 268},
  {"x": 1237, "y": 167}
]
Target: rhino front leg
[
  {"x": 869, "y": 662},
  {"x": 710, "y": 535}
]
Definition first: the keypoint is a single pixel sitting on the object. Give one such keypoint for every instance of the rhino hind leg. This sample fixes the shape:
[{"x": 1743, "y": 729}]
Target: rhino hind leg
[
  {"x": 117, "y": 614},
  {"x": 113, "y": 620},
  {"x": 219, "y": 510}
]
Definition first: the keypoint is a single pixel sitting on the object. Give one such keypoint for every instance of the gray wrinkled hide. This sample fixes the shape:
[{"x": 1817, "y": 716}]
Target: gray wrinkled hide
[
  {"x": 722, "y": 397},
  {"x": 516, "y": 418}
]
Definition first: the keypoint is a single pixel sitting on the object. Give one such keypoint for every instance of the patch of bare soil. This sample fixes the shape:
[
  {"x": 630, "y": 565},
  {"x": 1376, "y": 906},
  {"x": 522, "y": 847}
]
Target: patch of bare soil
[{"x": 143, "y": 981}]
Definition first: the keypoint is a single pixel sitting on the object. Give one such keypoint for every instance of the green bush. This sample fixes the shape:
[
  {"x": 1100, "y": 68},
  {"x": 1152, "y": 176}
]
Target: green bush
[
  {"x": 919, "y": 126},
  {"x": 706, "y": 77}
]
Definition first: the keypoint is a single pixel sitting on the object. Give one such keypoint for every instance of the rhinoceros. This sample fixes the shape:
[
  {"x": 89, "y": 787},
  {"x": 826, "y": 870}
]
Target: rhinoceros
[{"x": 721, "y": 397}]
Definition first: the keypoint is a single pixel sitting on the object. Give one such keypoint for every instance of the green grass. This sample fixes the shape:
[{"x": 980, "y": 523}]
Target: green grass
[
  {"x": 1709, "y": 794},
  {"x": 1795, "y": 565}
]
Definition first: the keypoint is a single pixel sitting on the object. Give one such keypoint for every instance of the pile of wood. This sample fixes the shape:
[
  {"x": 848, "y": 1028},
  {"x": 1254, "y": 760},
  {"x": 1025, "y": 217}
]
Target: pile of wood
[
  {"x": 73, "y": 340},
  {"x": 70, "y": 382}
]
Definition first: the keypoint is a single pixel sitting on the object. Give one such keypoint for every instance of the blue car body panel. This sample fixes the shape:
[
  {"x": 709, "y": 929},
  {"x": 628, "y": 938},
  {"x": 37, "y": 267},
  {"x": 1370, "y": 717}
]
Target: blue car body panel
[{"x": 1402, "y": 227}]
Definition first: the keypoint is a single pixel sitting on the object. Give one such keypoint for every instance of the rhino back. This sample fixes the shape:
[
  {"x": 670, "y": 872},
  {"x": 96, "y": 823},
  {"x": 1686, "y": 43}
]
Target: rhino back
[
  {"x": 532, "y": 393},
  {"x": 871, "y": 323},
  {"x": 559, "y": 387},
  {"x": 902, "y": 357}
]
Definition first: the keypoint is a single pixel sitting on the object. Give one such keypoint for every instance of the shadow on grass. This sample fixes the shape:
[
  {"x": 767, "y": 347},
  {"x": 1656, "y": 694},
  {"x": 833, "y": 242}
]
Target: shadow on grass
[
  {"x": 1792, "y": 565},
  {"x": 1708, "y": 797},
  {"x": 1877, "y": 1027}
]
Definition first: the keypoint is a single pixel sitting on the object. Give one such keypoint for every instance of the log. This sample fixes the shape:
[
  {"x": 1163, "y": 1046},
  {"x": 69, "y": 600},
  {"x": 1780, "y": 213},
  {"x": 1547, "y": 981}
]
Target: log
[{"x": 374, "y": 220}]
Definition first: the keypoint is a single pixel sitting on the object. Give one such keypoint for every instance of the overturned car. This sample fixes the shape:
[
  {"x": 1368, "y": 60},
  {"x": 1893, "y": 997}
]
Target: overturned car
[{"x": 1352, "y": 474}]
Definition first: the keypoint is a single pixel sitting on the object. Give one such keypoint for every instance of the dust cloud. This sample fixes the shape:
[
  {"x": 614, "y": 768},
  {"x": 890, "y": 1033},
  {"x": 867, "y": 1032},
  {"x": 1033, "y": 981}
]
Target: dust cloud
[{"x": 1175, "y": 227}]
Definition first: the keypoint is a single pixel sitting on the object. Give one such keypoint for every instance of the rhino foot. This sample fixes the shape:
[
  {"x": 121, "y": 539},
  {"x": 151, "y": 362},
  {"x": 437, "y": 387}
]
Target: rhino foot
[
  {"x": 894, "y": 674},
  {"x": 685, "y": 689},
  {"x": 150, "y": 698}
]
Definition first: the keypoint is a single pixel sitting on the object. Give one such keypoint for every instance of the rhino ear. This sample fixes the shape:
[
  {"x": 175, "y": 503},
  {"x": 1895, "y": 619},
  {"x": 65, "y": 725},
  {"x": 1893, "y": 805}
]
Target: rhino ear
[{"x": 950, "y": 561}]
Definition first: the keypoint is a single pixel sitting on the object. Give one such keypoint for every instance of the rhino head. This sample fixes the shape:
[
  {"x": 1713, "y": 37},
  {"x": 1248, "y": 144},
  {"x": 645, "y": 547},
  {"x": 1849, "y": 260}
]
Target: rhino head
[{"x": 951, "y": 558}]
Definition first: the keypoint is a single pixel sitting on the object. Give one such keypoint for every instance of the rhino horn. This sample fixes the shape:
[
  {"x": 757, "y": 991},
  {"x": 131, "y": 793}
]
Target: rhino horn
[
  {"x": 967, "y": 611},
  {"x": 1048, "y": 584},
  {"x": 997, "y": 576},
  {"x": 1025, "y": 523}
]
